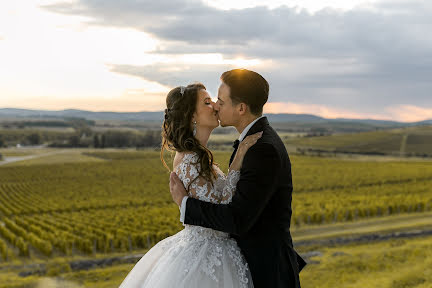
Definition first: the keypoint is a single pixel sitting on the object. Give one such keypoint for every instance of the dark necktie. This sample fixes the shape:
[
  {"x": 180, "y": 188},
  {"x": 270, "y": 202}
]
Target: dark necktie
[{"x": 235, "y": 145}]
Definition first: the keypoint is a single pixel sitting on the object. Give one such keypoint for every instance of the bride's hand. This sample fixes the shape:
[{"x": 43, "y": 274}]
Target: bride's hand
[{"x": 243, "y": 148}]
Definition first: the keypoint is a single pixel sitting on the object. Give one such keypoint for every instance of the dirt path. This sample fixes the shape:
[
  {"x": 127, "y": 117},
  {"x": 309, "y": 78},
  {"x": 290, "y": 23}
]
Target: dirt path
[
  {"x": 7, "y": 160},
  {"x": 367, "y": 238},
  {"x": 378, "y": 225},
  {"x": 376, "y": 229}
]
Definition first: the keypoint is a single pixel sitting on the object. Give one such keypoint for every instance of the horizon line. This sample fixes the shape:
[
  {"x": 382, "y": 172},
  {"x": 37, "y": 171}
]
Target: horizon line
[{"x": 155, "y": 111}]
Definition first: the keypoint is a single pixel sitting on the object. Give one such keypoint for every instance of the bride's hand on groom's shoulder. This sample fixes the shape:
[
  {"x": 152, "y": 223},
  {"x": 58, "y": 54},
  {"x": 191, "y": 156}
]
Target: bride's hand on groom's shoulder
[
  {"x": 243, "y": 147},
  {"x": 248, "y": 142}
]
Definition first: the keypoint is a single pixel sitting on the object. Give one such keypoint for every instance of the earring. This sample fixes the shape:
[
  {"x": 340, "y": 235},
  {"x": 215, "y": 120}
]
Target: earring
[{"x": 194, "y": 128}]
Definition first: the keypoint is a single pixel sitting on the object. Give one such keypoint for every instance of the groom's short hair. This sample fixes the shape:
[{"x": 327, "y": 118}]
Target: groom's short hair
[{"x": 247, "y": 87}]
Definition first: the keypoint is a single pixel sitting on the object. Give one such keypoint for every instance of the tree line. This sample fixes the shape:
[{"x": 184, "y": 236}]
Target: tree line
[
  {"x": 83, "y": 136},
  {"x": 112, "y": 139}
]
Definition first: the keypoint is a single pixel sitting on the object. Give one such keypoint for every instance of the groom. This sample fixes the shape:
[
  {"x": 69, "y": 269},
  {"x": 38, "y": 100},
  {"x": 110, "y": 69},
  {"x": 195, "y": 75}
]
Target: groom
[{"x": 259, "y": 215}]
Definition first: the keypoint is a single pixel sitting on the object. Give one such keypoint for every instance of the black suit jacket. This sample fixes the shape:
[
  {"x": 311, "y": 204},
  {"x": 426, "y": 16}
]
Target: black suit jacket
[{"x": 259, "y": 215}]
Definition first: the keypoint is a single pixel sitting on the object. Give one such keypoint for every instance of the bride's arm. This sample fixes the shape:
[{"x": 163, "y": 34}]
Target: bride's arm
[
  {"x": 233, "y": 174},
  {"x": 188, "y": 173},
  {"x": 242, "y": 149},
  {"x": 229, "y": 186}
]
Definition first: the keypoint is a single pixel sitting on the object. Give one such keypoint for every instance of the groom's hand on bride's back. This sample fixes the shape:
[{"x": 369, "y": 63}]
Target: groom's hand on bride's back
[{"x": 176, "y": 188}]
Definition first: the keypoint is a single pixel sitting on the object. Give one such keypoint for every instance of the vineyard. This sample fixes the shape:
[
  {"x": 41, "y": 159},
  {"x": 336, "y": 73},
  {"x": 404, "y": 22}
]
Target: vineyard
[
  {"x": 348, "y": 190},
  {"x": 123, "y": 203},
  {"x": 411, "y": 141},
  {"x": 85, "y": 208}
]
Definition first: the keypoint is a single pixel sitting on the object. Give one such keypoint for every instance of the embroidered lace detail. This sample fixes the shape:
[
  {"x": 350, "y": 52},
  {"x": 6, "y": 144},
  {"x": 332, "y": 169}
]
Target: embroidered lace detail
[
  {"x": 241, "y": 264},
  {"x": 195, "y": 237},
  {"x": 228, "y": 186},
  {"x": 224, "y": 185}
]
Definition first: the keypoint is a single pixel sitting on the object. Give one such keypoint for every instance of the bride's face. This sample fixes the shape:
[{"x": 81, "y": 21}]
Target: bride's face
[{"x": 205, "y": 114}]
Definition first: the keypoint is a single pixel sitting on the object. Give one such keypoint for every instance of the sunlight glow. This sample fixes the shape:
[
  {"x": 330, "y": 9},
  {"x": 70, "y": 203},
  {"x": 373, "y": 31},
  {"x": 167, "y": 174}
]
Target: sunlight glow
[{"x": 403, "y": 113}]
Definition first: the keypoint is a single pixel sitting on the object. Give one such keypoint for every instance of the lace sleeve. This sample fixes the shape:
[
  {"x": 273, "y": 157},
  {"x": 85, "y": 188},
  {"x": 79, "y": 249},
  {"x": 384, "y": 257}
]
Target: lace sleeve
[
  {"x": 229, "y": 186},
  {"x": 200, "y": 188}
]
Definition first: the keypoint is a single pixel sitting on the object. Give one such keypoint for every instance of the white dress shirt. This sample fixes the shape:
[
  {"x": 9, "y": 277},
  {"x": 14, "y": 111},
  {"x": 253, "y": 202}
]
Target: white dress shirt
[
  {"x": 241, "y": 137},
  {"x": 247, "y": 128}
]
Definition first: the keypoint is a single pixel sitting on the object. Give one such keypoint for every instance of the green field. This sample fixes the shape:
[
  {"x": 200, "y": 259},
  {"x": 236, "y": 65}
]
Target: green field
[
  {"x": 412, "y": 141},
  {"x": 82, "y": 204}
]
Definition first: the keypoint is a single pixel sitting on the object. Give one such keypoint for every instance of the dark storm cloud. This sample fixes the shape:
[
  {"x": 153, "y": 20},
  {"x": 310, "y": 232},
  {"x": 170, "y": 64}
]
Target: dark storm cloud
[
  {"x": 381, "y": 56},
  {"x": 393, "y": 27}
]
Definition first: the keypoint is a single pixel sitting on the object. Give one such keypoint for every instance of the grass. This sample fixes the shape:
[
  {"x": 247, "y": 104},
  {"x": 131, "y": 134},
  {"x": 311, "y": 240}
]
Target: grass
[
  {"x": 374, "y": 225},
  {"x": 107, "y": 277},
  {"x": 390, "y": 264}
]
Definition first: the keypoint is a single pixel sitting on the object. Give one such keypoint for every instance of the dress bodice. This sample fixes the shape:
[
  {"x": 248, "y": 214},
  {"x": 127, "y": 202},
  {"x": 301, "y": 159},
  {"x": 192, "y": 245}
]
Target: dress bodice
[{"x": 220, "y": 192}]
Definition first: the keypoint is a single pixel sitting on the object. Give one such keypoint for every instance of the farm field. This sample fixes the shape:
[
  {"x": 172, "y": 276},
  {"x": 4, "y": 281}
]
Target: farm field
[
  {"x": 83, "y": 204},
  {"x": 393, "y": 263},
  {"x": 412, "y": 141}
]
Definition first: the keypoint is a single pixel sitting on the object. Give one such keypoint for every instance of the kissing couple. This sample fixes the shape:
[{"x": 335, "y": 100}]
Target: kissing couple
[{"x": 237, "y": 225}]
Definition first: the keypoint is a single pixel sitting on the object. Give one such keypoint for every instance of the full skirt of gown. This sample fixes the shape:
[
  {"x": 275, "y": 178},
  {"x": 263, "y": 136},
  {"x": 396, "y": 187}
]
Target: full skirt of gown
[{"x": 195, "y": 257}]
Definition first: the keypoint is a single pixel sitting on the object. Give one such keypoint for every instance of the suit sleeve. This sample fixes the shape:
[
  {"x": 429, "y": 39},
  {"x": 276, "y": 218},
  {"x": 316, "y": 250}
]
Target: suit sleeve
[{"x": 254, "y": 189}]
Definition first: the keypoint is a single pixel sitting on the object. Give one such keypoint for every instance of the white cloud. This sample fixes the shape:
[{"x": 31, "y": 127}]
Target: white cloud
[{"x": 376, "y": 57}]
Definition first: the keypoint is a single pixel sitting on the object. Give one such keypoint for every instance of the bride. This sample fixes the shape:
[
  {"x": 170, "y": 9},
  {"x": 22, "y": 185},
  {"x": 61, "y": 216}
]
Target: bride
[{"x": 195, "y": 256}]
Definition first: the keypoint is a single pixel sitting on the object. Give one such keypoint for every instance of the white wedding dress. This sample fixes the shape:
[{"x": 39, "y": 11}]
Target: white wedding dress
[{"x": 195, "y": 257}]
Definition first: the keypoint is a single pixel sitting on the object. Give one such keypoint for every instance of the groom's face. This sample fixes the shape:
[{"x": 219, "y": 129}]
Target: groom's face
[{"x": 227, "y": 112}]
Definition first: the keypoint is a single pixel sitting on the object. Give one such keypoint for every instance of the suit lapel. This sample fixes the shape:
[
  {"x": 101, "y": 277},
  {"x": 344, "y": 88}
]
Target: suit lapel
[{"x": 257, "y": 127}]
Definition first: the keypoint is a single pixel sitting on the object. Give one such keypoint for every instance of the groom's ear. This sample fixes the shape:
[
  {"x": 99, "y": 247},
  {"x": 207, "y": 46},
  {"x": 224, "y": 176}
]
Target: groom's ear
[{"x": 242, "y": 108}]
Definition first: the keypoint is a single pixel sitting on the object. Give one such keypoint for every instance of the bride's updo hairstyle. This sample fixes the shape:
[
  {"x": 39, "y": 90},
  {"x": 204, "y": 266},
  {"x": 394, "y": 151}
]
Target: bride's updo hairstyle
[{"x": 177, "y": 129}]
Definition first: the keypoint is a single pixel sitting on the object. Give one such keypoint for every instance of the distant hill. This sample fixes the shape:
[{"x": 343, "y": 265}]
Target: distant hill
[
  {"x": 426, "y": 122},
  {"x": 282, "y": 122},
  {"x": 158, "y": 116},
  {"x": 90, "y": 115}
]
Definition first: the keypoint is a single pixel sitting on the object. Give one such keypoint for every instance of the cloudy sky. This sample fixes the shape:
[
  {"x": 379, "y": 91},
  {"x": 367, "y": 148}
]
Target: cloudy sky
[{"x": 340, "y": 58}]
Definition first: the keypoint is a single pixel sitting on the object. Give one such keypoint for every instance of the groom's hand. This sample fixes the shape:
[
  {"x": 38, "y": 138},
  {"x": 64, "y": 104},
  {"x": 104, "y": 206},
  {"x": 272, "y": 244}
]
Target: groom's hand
[{"x": 177, "y": 189}]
